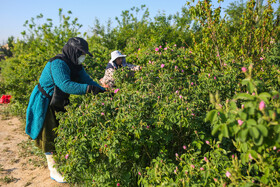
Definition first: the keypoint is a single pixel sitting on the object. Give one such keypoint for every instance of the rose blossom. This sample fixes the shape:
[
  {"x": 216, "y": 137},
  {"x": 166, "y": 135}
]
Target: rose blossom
[
  {"x": 244, "y": 69},
  {"x": 261, "y": 105},
  {"x": 228, "y": 174},
  {"x": 240, "y": 122}
]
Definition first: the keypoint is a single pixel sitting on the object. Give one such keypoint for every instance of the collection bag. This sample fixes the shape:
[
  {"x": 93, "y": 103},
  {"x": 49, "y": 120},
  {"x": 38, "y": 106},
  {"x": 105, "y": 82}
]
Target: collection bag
[{"x": 59, "y": 98}]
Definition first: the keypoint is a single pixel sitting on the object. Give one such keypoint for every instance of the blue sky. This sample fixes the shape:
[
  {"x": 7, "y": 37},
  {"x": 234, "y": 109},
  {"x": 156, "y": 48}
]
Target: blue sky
[{"x": 14, "y": 13}]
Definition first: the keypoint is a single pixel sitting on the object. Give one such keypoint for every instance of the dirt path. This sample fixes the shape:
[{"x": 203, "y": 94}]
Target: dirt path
[{"x": 20, "y": 163}]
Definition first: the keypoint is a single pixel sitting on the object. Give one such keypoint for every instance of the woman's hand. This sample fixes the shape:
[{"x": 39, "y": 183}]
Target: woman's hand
[{"x": 94, "y": 90}]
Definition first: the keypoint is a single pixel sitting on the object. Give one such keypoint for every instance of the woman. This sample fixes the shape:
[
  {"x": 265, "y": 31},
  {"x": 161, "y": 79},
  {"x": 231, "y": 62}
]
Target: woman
[
  {"x": 61, "y": 71},
  {"x": 117, "y": 61}
]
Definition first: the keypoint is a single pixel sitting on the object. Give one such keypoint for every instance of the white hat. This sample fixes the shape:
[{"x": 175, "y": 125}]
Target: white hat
[{"x": 115, "y": 55}]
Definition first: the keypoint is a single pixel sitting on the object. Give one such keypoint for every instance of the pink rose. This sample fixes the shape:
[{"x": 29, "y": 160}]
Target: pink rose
[
  {"x": 250, "y": 156},
  {"x": 261, "y": 105},
  {"x": 240, "y": 122},
  {"x": 228, "y": 174},
  {"x": 244, "y": 69},
  {"x": 205, "y": 159}
]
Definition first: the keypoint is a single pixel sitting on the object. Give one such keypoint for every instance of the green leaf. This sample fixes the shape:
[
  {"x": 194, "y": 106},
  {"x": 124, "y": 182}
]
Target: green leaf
[
  {"x": 251, "y": 87},
  {"x": 224, "y": 130},
  {"x": 245, "y": 96},
  {"x": 254, "y": 132},
  {"x": 258, "y": 141},
  {"x": 243, "y": 116},
  {"x": 223, "y": 117},
  {"x": 245, "y": 81},
  {"x": 242, "y": 135},
  {"x": 251, "y": 122},
  {"x": 211, "y": 116},
  {"x": 215, "y": 129},
  {"x": 243, "y": 158},
  {"x": 233, "y": 105},
  {"x": 254, "y": 154},
  {"x": 263, "y": 130},
  {"x": 264, "y": 96},
  {"x": 244, "y": 147},
  {"x": 251, "y": 110}
]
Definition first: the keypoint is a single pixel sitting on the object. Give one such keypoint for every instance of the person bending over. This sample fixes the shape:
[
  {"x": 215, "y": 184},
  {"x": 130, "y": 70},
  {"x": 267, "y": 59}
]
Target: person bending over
[
  {"x": 66, "y": 73},
  {"x": 117, "y": 61}
]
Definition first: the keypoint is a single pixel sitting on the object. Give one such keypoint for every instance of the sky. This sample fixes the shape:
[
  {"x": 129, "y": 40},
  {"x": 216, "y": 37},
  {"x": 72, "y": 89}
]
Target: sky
[{"x": 14, "y": 13}]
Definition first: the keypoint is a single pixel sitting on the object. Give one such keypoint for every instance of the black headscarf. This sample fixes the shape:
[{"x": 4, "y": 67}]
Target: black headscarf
[{"x": 70, "y": 54}]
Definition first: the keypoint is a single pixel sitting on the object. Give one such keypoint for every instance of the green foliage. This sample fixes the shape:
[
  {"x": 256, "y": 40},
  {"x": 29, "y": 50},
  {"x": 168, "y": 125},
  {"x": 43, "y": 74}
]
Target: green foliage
[
  {"x": 7, "y": 51},
  {"x": 251, "y": 121},
  {"x": 191, "y": 116}
]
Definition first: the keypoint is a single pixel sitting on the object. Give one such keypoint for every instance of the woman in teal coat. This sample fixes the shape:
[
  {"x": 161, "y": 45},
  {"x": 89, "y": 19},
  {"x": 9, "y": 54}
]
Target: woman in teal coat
[{"x": 67, "y": 73}]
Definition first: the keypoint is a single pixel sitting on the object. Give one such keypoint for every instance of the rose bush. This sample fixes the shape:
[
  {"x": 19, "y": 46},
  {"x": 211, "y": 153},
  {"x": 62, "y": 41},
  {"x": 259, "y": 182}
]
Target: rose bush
[{"x": 204, "y": 109}]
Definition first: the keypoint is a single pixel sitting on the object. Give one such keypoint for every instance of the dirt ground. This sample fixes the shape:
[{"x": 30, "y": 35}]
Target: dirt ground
[{"x": 20, "y": 163}]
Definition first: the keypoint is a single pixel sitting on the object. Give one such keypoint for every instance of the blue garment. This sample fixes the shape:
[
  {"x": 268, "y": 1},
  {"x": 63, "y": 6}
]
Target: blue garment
[{"x": 38, "y": 103}]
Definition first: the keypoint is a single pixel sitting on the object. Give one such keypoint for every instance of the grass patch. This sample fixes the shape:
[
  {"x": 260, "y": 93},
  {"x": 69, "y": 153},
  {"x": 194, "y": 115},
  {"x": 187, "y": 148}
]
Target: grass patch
[
  {"x": 7, "y": 179},
  {"x": 6, "y": 149},
  {"x": 27, "y": 184},
  {"x": 5, "y": 114},
  {"x": 1, "y": 167},
  {"x": 27, "y": 149}
]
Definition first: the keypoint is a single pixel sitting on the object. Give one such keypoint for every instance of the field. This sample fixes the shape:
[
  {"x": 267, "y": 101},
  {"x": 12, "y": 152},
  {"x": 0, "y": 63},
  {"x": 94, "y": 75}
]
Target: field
[{"x": 204, "y": 110}]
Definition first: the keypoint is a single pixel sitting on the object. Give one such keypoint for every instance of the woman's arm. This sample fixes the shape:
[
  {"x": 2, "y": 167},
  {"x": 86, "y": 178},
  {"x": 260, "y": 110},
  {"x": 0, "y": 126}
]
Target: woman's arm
[
  {"x": 85, "y": 78},
  {"x": 108, "y": 78},
  {"x": 61, "y": 76},
  {"x": 131, "y": 66}
]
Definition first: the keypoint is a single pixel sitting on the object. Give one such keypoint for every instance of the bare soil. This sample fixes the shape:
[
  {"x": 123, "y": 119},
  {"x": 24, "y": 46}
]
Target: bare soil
[{"x": 21, "y": 164}]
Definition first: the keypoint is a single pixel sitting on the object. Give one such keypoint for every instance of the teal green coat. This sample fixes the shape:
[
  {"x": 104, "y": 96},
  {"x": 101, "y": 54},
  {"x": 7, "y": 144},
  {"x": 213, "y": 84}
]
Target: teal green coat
[{"x": 38, "y": 103}]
